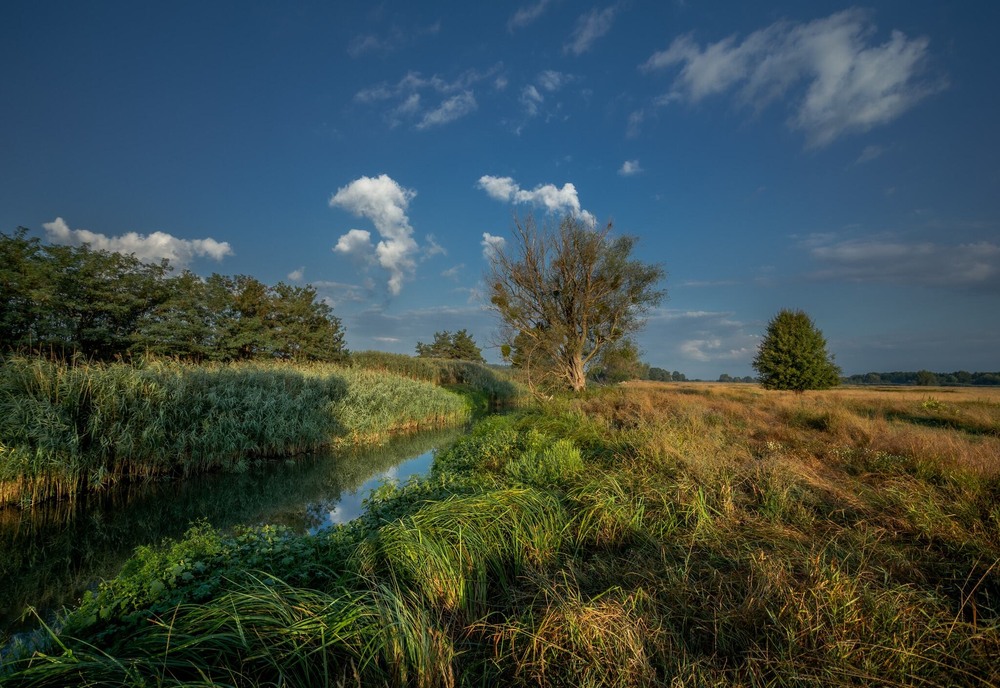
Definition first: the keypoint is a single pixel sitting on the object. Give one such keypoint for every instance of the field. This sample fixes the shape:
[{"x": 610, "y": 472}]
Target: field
[{"x": 648, "y": 534}]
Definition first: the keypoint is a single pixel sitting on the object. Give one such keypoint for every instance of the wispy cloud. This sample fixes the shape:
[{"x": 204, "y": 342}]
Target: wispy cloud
[
  {"x": 528, "y": 14},
  {"x": 448, "y": 111},
  {"x": 427, "y": 101},
  {"x": 549, "y": 196},
  {"x": 870, "y": 153},
  {"x": 851, "y": 83},
  {"x": 887, "y": 260},
  {"x": 392, "y": 40},
  {"x": 590, "y": 27},
  {"x": 149, "y": 248},
  {"x": 384, "y": 202},
  {"x": 629, "y": 168},
  {"x": 699, "y": 337}
]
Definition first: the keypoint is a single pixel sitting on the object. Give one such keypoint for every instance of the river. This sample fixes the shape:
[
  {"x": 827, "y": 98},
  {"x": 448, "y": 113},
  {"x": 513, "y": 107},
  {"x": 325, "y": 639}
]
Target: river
[{"x": 50, "y": 554}]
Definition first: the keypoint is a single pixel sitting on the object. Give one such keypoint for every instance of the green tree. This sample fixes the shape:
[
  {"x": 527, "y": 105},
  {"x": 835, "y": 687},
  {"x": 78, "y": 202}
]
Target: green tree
[
  {"x": 619, "y": 362},
  {"x": 458, "y": 346},
  {"x": 563, "y": 294},
  {"x": 303, "y": 328},
  {"x": 23, "y": 285},
  {"x": 926, "y": 378},
  {"x": 793, "y": 355},
  {"x": 182, "y": 325}
]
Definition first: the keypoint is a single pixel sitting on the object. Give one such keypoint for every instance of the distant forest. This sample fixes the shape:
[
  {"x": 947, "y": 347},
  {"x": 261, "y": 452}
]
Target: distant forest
[
  {"x": 65, "y": 301},
  {"x": 925, "y": 378}
]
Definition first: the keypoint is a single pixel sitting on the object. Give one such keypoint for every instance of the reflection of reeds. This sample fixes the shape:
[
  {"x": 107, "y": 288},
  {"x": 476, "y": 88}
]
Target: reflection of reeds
[
  {"x": 652, "y": 535},
  {"x": 64, "y": 428},
  {"x": 51, "y": 553}
]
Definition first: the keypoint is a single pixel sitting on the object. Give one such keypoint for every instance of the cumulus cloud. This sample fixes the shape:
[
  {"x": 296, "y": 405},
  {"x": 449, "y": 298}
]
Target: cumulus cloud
[
  {"x": 589, "y": 28},
  {"x": 150, "y": 248},
  {"x": 491, "y": 244},
  {"x": 383, "y": 201},
  {"x": 885, "y": 260},
  {"x": 548, "y": 196},
  {"x": 527, "y": 15},
  {"x": 297, "y": 274},
  {"x": 630, "y": 168},
  {"x": 849, "y": 83},
  {"x": 428, "y": 101}
]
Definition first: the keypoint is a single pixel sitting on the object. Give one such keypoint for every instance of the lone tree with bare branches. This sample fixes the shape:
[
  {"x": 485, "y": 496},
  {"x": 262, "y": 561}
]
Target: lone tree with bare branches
[{"x": 565, "y": 293}]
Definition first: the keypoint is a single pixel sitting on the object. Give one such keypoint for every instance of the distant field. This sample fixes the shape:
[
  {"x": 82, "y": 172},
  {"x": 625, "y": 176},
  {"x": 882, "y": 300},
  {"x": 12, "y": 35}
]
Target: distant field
[{"x": 696, "y": 534}]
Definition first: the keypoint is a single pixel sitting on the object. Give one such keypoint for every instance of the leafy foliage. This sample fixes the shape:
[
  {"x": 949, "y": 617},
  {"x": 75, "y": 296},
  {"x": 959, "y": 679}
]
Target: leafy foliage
[
  {"x": 563, "y": 294},
  {"x": 793, "y": 355},
  {"x": 106, "y": 306},
  {"x": 458, "y": 346}
]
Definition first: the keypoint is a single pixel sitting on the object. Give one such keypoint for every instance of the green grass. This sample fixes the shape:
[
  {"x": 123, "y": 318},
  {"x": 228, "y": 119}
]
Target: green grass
[{"x": 631, "y": 537}]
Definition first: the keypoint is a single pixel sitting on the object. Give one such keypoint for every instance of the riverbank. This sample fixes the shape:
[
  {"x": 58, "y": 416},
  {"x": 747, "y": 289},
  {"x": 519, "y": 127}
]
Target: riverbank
[
  {"x": 65, "y": 429},
  {"x": 704, "y": 535}
]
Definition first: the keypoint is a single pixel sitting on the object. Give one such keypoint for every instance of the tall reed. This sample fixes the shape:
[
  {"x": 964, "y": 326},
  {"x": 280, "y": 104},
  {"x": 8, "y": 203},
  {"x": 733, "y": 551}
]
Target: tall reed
[{"x": 66, "y": 427}]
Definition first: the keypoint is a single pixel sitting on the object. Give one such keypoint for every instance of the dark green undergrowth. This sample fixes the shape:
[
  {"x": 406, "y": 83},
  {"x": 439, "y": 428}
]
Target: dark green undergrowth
[{"x": 629, "y": 538}]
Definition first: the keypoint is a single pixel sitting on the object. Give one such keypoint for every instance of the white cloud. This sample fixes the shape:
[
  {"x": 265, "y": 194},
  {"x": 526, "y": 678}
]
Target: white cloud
[
  {"x": 635, "y": 123},
  {"x": 850, "y": 84},
  {"x": 383, "y": 201},
  {"x": 433, "y": 248},
  {"x": 548, "y": 196},
  {"x": 630, "y": 168},
  {"x": 590, "y": 27},
  {"x": 451, "y": 109},
  {"x": 527, "y": 15},
  {"x": 531, "y": 99},
  {"x": 870, "y": 153},
  {"x": 395, "y": 39},
  {"x": 500, "y": 83},
  {"x": 453, "y": 272},
  {"x": 491, "y": 244},
  {"x": 886, "y": 260},
  {"x": 357, "y": 242},
  {"x": 297, "y": 274},
  {"x": 551, "y": 80},
  {"x": 150, "y": 248},
  {"x": 415, "y": 96}
]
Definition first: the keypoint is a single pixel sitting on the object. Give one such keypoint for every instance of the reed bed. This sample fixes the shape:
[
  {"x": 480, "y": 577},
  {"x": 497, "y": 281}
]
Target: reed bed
[
  {"x": 66, "y": 428},
  {"x": 650, "y": 535}
]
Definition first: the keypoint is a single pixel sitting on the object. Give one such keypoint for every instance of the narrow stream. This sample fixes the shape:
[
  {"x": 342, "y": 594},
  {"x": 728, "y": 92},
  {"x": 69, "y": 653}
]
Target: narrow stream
[{"x": 51, "y": 554}]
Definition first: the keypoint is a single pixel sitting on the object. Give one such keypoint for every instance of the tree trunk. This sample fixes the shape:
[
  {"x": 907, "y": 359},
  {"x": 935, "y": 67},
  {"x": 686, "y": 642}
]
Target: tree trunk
[{"x": 577, "y": 378}]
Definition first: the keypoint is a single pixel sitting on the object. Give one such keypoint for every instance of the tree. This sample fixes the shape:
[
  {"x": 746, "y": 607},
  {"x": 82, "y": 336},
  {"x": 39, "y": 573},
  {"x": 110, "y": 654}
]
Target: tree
[
  {"x": 926, "y": 378},
  {"x": 563, "y": 294},
  {"x": 619, "y": 362},
  {"x": 793, "y": 355},
  {"x": 459, "y": 346}
]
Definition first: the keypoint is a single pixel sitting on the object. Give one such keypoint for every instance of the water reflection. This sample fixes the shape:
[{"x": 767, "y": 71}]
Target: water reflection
[{"x": 50, "y": 555}]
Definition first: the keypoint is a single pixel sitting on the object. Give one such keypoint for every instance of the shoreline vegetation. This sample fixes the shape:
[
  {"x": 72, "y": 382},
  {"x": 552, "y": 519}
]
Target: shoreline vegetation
[
  {"x": 643, "y": 534},
  {"x": 67, "y": 427}
]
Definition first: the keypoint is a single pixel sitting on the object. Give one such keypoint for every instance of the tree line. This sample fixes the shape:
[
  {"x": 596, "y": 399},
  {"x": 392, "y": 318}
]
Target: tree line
[
  {"x": 925, "y": 378},
  {"x": 67, "y": 300}
]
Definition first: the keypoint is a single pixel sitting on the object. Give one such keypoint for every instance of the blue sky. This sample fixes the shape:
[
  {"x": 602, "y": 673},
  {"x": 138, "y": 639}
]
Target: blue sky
[{"x": 842, "y": 159}]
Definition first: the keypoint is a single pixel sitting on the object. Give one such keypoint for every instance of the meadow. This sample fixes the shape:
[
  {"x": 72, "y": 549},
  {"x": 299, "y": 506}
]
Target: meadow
[
  {"x": 649, "y": 534},
  {"x": 71, "y": 427}
]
